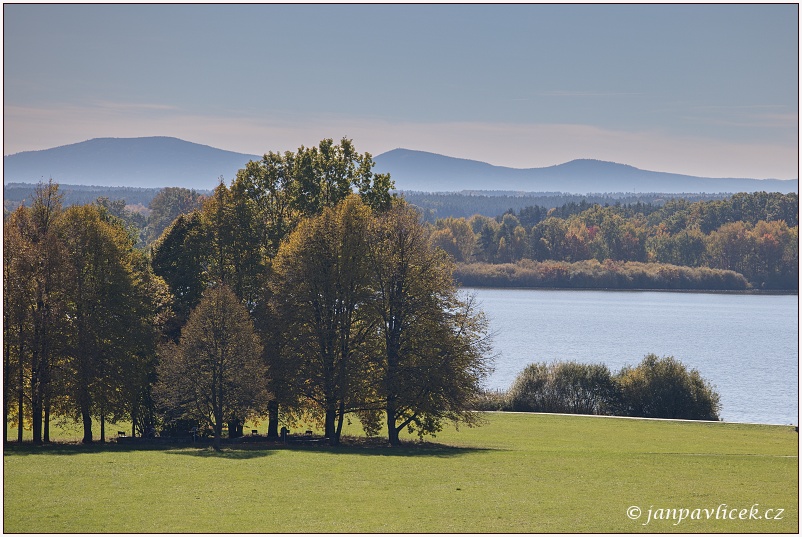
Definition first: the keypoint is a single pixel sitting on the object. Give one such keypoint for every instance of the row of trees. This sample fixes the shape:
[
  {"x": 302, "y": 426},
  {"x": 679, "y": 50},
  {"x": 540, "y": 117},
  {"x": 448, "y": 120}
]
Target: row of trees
[
  {"x": 762, "y": 244},
  {"x": 305, "y": 287},
  {"x": 82, "y": 311},
  {"x": 655, "y": 388}
]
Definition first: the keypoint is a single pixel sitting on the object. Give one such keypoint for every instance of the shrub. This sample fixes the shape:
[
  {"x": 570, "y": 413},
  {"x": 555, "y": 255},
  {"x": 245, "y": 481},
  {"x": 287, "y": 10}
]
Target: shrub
[
  {"x": 665, "y": 388},
  {"x": 656, "y": 388},
  {"x": 566, "y": 387}
]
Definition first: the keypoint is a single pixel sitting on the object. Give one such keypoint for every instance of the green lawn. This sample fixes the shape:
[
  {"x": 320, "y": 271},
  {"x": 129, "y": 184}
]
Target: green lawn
[{"x": 516, "y": 473}]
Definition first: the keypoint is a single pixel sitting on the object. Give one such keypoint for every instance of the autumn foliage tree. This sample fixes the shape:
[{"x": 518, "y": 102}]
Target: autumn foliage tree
[
  {"x": 432, "y": 345},
  {"x": 320, "y": 286},
  {"x": 107, "y": 314},
  {"x": 33, "y": 294},
  {"x": 216, "y": 370}
]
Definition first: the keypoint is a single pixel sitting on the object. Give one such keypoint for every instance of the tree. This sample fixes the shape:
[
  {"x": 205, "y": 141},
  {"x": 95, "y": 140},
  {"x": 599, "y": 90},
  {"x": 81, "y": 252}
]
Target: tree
[
  {"x": 327, "y": 174},
  {"x": 33, "y": 288},
  {"x": 180, "y": 257},
  {"x": 166, "y": 206},
  {"x": 236, "y": 255},
  {"x": 18, "y": 295},
  {"x": 286, "y": 187},
  {"x": 320, "y": 286},
  {"x": 135, "y": 222},
  {"x": 104, "y": 312},
  {"x": 152, "y": 302},
  {"x": 216, "y": 370},
  {"x": 432, "y": 349}
]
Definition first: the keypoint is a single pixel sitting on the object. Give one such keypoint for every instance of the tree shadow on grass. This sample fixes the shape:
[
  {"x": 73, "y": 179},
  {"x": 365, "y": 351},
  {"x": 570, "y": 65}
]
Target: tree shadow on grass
[
  {"x": 78, "y": 448},
  {"x": 380, "y": 447},
  {"x": 250, "y": 450},
  {"x": 227, "y": 452}
]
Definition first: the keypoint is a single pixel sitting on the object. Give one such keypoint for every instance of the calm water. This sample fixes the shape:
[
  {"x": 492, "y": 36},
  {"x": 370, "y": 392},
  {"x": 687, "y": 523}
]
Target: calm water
[{"x": 745, "y": 345}]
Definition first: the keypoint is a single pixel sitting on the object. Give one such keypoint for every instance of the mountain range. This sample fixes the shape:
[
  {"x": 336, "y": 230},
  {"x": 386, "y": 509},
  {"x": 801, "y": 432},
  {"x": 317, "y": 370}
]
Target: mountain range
[
  {"x": 157, "y": 161},
  {"x": 163, "y": 161}
]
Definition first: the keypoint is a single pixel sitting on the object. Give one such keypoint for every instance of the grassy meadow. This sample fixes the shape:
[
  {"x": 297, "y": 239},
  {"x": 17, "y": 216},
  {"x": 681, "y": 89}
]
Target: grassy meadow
[{"x": 516, "y": 473}]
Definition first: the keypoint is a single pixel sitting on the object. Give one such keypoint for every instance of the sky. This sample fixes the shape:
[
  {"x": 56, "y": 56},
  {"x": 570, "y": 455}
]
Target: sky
[{"x": 709, "y": 90}]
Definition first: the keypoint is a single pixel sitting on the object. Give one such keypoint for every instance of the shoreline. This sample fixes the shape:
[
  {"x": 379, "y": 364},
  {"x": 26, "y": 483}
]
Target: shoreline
[
  {"x": 719, "y": 422},
  {"x": 779, "y": 292}
]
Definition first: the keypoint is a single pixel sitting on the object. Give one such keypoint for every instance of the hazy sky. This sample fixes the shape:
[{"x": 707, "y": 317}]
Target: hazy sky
[{"x": 706, "y": 90}]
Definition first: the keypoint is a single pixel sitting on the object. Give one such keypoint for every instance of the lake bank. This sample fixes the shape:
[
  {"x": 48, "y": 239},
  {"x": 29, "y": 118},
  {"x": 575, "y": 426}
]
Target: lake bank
[{"x": 757, "y": 292}]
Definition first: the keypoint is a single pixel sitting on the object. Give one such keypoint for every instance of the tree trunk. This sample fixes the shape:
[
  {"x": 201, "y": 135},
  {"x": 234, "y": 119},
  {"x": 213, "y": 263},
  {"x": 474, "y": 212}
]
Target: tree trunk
[
  {"x": 392, "y": 430},
  {"x": 329, "y": 431},
  {"x": 36, "y": 398},
  {"x": 20, "y": 401},
  {"x": 272, "y": 419},
  {"x": 133, "y": 421},
  {"x": 21, "y": 379},
  {"x": 37, "y": 374},
  {"x": 87, "y": 419},
  {"x": 102, "y": 428},
  {"x": 340, "y": 419},
  {"x": 36, "y": 411},
  {"x": 392, "y": 367},
  {"x": 47, "y": 421},
  {"x": 6, "y": 377},
  {"x": 218, "y": 435}
]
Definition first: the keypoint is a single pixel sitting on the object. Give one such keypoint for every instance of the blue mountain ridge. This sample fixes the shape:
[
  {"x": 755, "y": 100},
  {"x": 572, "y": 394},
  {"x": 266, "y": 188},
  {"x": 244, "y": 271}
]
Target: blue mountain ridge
[
  {"x": 422, "y": 171},
  {"x": 151, "y": 162},
  {"x": 161, "y": 161}
]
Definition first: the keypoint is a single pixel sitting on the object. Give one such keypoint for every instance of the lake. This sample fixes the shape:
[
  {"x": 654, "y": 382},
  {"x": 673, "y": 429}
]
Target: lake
[{"x": 745, "y": 345}]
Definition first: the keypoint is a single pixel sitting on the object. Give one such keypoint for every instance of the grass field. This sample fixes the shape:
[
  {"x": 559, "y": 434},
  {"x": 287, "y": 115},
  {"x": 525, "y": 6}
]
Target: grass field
[{"x": 516, "y": 473}]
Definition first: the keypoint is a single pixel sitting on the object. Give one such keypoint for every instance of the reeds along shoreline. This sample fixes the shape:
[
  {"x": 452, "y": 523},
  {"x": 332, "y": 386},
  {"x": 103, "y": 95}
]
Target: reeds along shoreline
[{"x": 592, "y": 274}]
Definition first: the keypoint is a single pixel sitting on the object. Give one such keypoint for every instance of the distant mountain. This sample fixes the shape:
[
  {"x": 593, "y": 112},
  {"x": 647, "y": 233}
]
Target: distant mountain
[
  {"x": 136, "y": 162},
  {"x": 161, "y": 161},
  {"x": 429, "y": 172}
]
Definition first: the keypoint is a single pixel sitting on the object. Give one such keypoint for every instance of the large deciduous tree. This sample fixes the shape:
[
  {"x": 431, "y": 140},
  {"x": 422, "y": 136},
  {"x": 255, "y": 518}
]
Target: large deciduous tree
[
  {"x": 320, "y": 287},
  {"x": 283, "y": 188},
  {"x": 216, "y": 370},
  {"x": 433, "y": 344},
  {"x": 105, "y": 312}
]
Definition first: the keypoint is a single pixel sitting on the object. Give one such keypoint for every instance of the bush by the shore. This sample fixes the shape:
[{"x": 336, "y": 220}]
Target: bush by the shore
[{"x": 655, "y": 388}]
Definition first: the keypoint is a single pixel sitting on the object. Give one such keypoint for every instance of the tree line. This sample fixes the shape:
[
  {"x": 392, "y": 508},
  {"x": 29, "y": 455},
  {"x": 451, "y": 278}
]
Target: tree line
[
  {"x": 303, "y": 289},
  {"x": 755, "y": 235},
  {"x": 464, "y": 204}
]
